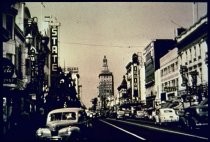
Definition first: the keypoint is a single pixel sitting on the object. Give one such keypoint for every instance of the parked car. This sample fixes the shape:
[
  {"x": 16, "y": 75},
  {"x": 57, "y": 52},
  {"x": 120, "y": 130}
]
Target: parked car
[
  {"x": 140, "y": 114},
  {"x": 165, "y": 115},
  {"x": 127, "y": 113},
  {"x": 194, "y": 117},
  {"x": 64, "y": 124},
  {"x": 120, "y": 114}
]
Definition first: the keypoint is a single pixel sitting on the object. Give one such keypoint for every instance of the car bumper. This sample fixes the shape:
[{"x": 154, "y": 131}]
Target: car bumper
[
  {"x": 169, "y": 121},
  {"x": 53, "y": 138}
]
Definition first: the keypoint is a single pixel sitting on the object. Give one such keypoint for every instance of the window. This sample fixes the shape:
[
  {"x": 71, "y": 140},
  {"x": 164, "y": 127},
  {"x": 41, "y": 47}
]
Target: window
[
  {"x": 177, "y": 82},
  {"x": 69, "y": 116},
  {"x": 172, "y": 67},
  {"x": 173, "y": 82},
  {"x": 9, "y": 56},
  {"x": 195, "y": 51},
  {"x": 190, "y": 55},
  {"x": 148, "y": 56},
  {"x": 169, "y": 69},
  {"x": 199, "y": 49},
  {"x": 200, "y": 74},
  {"x": 28, "y": 66},
  {"x": 176, "y": 65},
  {"x": 186, "y": 56}
]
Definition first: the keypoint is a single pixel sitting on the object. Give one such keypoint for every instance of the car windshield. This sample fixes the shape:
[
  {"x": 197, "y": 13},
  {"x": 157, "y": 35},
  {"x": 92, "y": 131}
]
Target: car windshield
[{"x": 63, "y": 116}]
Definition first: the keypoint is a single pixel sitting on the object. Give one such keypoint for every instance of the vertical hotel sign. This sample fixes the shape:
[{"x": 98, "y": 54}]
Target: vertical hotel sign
[
  {"x": 135, "y": 81},
  {"x": 54, "y": 49}
]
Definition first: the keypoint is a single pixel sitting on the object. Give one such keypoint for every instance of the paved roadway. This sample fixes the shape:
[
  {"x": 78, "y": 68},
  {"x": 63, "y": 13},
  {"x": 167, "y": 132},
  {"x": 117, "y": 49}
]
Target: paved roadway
[
  {"x": 119, "y": 130},
  {"x": 111, "y": 130}
]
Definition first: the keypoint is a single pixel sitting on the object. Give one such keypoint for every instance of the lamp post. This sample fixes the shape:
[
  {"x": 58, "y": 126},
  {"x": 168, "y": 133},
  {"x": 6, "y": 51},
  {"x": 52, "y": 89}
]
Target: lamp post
[
  {"x": 41, "y": 56},
  {"x": 32, "y": 53}
]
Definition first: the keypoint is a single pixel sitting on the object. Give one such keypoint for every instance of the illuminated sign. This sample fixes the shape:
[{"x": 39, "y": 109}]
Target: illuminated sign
[{"x": 54, "y": 48}]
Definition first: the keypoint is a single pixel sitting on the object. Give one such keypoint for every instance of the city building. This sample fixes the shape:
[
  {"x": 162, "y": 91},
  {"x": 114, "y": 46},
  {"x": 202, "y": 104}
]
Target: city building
[
  {"x": 169, "y": 74},
  {"x": 106, "y": 84},
  {"x": 8, "y": 75},
  {"x": 133, "y": 79},
  {"x": 75, "y": 78},
  {"x": 122, "y": 92},
  {"x": 193, "y": 50},
  {"x": 152, "y": 54},
  {"x": 23, "y": 60}
]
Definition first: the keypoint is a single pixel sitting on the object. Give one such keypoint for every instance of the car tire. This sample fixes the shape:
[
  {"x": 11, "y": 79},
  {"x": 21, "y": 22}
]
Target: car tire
[
  {"x": 192, "y": 124},
  {"x": 183, "y": 123}
]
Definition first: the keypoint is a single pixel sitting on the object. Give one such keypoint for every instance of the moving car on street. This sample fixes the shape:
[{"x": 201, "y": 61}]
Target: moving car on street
[{"x": 64, "y": 124}]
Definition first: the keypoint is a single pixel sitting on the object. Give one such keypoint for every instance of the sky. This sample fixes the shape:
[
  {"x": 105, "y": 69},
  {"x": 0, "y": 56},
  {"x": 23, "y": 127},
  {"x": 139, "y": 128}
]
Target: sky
[{"x": 91, "y": 30}]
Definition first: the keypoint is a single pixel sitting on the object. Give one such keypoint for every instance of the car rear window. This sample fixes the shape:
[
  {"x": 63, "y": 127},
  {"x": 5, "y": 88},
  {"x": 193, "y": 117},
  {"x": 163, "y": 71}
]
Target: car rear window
[{"x": 168, "y": 111}]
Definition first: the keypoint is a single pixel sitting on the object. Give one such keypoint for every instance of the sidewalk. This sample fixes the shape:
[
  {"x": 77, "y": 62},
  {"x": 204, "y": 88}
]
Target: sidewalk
[{"x": 24, "y": 131}]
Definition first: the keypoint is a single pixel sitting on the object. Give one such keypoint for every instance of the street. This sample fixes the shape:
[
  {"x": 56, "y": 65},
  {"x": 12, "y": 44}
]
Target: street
[{"x": 121, "y": 130}]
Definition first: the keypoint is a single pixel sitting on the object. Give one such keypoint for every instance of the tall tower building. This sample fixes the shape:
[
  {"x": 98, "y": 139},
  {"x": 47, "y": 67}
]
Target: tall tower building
[{"x": 106, "y": 84}]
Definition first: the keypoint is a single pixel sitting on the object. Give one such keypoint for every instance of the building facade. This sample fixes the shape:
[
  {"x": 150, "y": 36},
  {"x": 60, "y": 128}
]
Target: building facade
[
  {"x": 169, "y": 73},
  {"x": 122, "y": 92},
  {"x": 133, "y": 79},
  {"x": 75, "y": 78},
  {"x": 153, "y": 52},
  {"x": 193, "y": 48}
]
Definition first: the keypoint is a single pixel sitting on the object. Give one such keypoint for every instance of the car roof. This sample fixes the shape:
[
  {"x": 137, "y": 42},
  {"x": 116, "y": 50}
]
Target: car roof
[{"x": 65, "y": 110}]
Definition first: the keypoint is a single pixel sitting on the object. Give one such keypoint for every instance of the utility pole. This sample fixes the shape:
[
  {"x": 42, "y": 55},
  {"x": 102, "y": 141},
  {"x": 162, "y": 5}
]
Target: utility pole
[{"x": 194, "y": 83}]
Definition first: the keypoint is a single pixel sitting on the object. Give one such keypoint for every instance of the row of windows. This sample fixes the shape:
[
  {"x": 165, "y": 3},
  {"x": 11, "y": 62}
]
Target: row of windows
[
  {"x": 199, "y": 73},
  {"x": 171, "y": 83},
  {"x": 171, "y": 68},
  {"x": 192, "y": 54}
]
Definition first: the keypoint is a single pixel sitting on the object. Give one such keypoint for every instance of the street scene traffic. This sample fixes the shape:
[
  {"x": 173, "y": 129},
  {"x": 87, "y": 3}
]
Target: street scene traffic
[{"x": 104, "y": 72}]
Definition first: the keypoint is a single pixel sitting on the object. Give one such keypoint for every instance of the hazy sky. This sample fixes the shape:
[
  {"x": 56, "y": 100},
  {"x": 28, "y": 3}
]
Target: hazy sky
[{"x": 90, "y": 30}]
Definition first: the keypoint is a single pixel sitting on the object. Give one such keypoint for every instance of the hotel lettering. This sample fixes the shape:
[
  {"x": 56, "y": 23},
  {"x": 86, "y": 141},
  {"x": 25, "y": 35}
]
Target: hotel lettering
[{"x": 54, "y": 49}]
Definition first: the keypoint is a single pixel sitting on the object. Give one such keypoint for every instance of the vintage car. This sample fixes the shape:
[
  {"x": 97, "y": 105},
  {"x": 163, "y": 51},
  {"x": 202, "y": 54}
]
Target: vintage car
[
  {"x": 140, "y": 114},
  {"x": 195, "y": 117},
  {"x": 120, "y": 114},
  {"x": 165, "y": 115},
  {"x": 64, "y": 124}
]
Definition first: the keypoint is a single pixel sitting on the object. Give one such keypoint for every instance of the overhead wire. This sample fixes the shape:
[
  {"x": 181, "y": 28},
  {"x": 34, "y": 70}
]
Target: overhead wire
[{"x": 89, "y": 44}]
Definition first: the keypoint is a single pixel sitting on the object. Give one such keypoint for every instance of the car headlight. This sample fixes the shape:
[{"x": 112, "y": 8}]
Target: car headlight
[
  {"x": 39, "y": 132},
  {"x": 68, "y": 131}
]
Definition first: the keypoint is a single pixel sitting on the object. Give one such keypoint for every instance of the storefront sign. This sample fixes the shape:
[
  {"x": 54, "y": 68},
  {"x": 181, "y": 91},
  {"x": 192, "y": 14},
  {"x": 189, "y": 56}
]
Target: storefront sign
[
  {"x": 73, "y": 69},
  {"x": 9, "y": 77}
]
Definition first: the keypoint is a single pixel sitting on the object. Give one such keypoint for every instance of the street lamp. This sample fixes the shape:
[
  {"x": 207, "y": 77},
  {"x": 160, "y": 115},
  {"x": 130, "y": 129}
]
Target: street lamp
[{"x": 29, "y": 39}]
